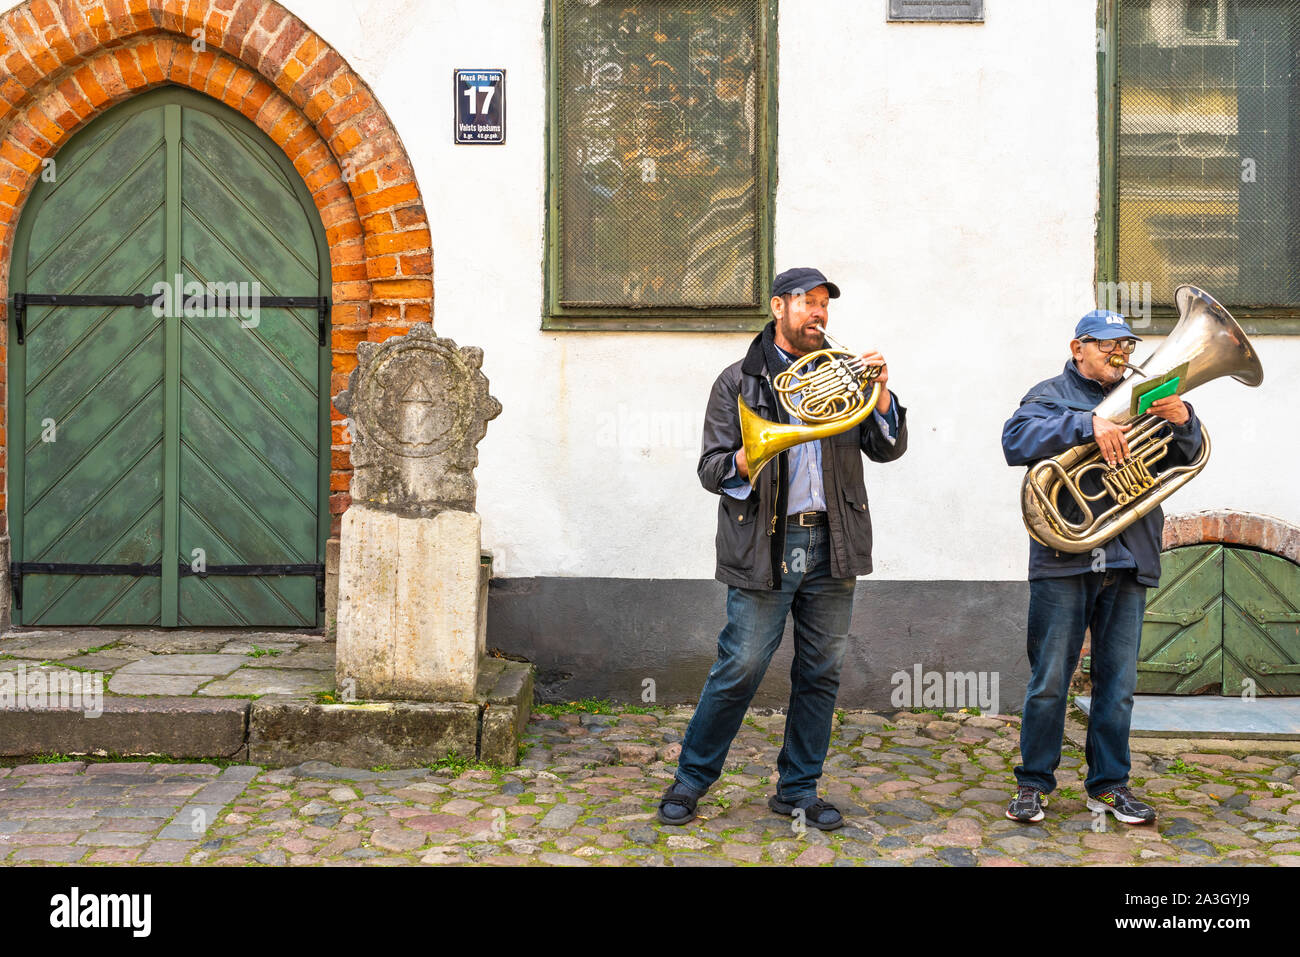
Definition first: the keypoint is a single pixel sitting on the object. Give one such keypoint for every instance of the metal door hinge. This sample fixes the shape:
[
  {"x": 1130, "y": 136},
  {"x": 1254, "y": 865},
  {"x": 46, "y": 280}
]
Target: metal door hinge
[
  {"x": 1185, "y": 667},
  {"x": 1183, "y": 618},
  {"x": 1270, "y": 668},
  {"x": 1266, "y": 617},
  {"x": 18, "y": 569}
]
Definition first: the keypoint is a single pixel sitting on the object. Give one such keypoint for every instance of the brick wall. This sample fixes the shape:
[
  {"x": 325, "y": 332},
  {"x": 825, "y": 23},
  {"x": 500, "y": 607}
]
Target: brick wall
[
  {"x": 1264, "y": 532},
  {"x": 66, "y": 61}
]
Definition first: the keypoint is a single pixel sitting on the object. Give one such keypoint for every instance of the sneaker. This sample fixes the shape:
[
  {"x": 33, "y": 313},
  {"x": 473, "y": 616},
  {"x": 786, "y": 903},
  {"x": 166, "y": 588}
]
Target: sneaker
[
  {"x": 816, "y": 812},
  {"x": 1125, "y": 807},
  {"x": 677, "y": 806},
  {"x": 1027, "y": 806}
]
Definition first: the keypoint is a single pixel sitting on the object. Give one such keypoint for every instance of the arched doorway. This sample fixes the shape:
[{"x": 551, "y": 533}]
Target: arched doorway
[
  {"x": 1226, "y": 617},
  {"x": 169, "y": 465}
]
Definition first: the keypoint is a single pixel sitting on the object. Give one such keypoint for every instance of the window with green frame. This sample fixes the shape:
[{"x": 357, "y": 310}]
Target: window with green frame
[
  {"x": 1200, "y": 154},
  {"x": 660, "y": 164}
]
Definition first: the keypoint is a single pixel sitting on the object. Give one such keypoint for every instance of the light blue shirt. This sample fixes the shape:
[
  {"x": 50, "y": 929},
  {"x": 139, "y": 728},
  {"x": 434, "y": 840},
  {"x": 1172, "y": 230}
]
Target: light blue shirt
[{"x": 806, "y": 491}]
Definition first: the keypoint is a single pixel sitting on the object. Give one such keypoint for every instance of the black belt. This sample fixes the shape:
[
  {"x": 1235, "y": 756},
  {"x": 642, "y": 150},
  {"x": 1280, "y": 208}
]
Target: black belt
[{"x": 806, "y": 519}]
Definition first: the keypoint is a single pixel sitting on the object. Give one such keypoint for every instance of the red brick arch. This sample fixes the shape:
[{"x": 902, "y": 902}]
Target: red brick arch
[
  {"x": 63, "y": 62},
  {"x": 1264, "y": 532}
]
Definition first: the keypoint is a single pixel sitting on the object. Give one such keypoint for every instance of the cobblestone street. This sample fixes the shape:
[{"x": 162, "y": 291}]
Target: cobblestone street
[{"x": 917, "y": 789}]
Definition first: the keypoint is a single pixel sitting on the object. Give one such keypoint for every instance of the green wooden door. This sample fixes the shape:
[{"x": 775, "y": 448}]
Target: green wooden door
[
  {"x": 1224, "y": 620},
  {"x": 1261, "y": 628},
  {"x": 1182, "y": 635},
  {"x": 166, "y": 458},
  {"x": 86, "y": 412}
]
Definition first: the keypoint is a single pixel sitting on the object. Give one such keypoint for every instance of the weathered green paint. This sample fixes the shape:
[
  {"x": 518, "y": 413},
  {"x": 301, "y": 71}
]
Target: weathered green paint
[
  {"x": 86, "y": 388},
  {"x": 1182, "y": 635},
  {"x": 1261, "y": 626},
  {"x": 1224, "y": 620},
  {"x": 172, "y": 382},
  {"x": 683, "y": 319},
  {"x": 249, "y": 397},
  {"x": 174, "y": 433}
]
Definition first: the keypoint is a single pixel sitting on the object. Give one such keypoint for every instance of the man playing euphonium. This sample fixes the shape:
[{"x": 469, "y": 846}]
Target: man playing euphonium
[{"x": 1070, "y": 593}]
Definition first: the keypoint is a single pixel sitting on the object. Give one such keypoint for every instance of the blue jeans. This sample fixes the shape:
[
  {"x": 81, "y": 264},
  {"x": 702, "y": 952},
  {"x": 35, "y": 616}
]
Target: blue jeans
[
  {"x": 1111, "y": 604},
  {"x": 822, "y": 608}
]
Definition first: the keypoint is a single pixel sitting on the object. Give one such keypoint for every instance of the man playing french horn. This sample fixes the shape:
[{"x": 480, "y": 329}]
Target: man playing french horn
[
  {"x": 1102, "y": 589},
  {"x": 794, "y": 531}
]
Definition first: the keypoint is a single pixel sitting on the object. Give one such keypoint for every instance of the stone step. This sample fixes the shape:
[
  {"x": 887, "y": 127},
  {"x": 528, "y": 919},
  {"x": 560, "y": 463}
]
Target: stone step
[
  {"x": 507, "y": 705},
  {"x": 177, "y": 727},
  {"x": 277, "y": 730}
]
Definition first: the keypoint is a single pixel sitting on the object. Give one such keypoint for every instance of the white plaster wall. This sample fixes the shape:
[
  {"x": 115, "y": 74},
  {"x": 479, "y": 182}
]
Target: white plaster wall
[{"x": 944, "y": 175}]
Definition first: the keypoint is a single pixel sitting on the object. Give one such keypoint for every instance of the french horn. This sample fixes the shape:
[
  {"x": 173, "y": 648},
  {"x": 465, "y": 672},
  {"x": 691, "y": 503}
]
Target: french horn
[
  {"x": 1210, "y": 343},
  {"x": 834, "y": 396}
]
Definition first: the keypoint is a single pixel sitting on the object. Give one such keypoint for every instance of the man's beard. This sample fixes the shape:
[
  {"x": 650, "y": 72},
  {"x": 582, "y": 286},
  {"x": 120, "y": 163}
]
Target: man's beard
[{"x": 805, "y": 338}]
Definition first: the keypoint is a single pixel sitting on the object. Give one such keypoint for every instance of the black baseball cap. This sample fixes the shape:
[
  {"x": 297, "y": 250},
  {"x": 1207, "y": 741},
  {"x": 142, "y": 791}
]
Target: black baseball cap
[{"x": 801, "y": 279}]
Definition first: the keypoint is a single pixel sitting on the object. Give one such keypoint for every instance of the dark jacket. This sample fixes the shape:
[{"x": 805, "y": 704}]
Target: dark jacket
[
  {"x": 751, "y": 532},
  {"x": 1055, "y": 415}
]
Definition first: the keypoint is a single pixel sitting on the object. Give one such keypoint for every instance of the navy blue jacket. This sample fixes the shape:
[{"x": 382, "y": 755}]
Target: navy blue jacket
[{"x": 1055, "y": 415}]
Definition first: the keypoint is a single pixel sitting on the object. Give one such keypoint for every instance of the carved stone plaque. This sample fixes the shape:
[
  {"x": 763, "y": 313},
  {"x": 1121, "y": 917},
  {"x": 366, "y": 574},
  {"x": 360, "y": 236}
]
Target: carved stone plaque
[
  {"x": 960, "y": 10},
  {"x": 418, "y": 406}
]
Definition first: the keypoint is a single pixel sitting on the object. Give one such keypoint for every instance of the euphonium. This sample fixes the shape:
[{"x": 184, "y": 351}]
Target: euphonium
[
  {"x": 835, "y": 398},
  {"x": 1210, "y": 343}
]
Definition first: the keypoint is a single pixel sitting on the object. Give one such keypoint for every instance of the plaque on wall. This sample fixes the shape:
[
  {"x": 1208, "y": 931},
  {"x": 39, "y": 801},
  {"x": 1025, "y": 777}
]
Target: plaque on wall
[
  {"x": 959, "y": 10},
  {"x": 480, "y": 111}
]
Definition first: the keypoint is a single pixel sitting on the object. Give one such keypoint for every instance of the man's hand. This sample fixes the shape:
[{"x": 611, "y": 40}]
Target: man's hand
[
  {"x": 1110, "y": 439},
  {"x": 742, "y": 464},
  {"x": 874, "y": 358},
  {"x": 1171, "y": 408}
]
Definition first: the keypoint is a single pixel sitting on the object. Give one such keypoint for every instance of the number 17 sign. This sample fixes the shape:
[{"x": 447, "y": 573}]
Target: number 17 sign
[{"x": 480, "y": 106}]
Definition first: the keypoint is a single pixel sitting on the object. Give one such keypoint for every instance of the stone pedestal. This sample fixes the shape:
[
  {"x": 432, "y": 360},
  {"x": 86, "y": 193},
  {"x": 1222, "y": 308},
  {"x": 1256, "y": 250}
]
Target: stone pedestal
[
  {"x": 412, "y": 601},
  {"x": 411, "y": 623}
]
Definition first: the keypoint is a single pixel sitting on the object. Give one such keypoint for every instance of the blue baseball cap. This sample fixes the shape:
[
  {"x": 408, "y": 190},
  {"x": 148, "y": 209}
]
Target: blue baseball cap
[
  {"x": 801, "y": 279},
  {"x": 1103, "y": 324}
]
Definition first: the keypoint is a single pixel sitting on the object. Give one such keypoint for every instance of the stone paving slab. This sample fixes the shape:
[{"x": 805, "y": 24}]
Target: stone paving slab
[
  {"x": 318, "y": 657},
  {"x": 262, "y": 681},
  {"x": 104, "y": 661},
  {"x": 27, "y": 676},
  {"x": 271, "y": 648},
  {"x": 44, "y": 647},
  {"x": 151, "y": 684},
  {"x": 939, "y": 803},
  {"x": 185, "y": 642},
  {"x": 210, "y": 665},
  {"x": 1186, "y": 716}
]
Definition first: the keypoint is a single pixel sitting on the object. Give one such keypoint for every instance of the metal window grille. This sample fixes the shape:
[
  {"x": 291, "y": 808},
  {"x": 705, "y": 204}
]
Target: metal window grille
[
  {"x": 1209, "y": 148},
  {"x": 658, "y": 153}
]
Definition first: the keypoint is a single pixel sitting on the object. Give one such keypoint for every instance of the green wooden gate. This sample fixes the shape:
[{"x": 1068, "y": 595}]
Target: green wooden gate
[
  {"x": 1223, "y": 620},
  {"x": 169, "y": 454},
  {"x": 1261, "y": 624}
]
